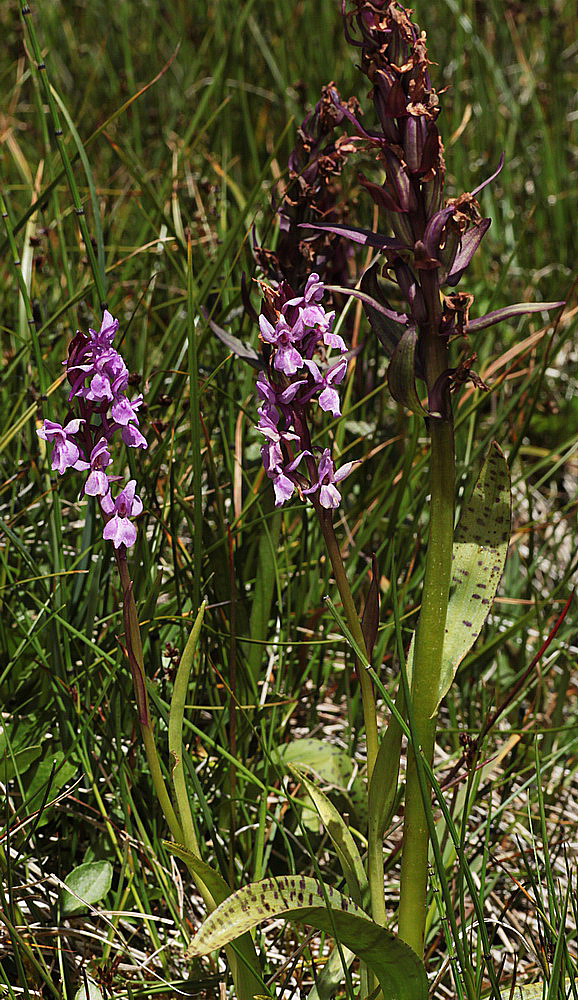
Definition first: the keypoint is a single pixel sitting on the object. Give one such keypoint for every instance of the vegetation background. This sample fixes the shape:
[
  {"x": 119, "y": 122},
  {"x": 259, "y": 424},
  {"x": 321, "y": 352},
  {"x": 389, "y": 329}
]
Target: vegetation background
[{"x": 179, "y": 119}]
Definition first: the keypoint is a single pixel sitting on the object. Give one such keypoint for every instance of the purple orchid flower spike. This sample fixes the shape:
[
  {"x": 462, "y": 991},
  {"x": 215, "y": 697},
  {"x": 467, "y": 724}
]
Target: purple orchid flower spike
[
  {"x": 119, "y": 529},
  {"x": 289, "y": 393},
  {"x": 99, "y": 377}
]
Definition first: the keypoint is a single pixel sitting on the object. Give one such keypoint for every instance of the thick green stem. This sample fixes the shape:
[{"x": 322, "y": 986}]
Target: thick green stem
[{"x": 427, "y": 660}]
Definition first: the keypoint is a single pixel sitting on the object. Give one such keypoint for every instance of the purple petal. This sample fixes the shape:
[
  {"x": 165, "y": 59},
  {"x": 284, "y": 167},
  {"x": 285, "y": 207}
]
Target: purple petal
[
  {"x": 124, "y": 411},
  {"x": 288, "y": 360},
  {"x": 283, "y": 489},
  {"x": 120, "y": 531},
  {"x": 97, "y": 484},
  {"x": 344, "y": 470},
  {"x": 132, "y": 437},
  {"x": 329, "y": 401},
  {"x": 107, "y": 504},
  {"x": 329, "y": 497}
]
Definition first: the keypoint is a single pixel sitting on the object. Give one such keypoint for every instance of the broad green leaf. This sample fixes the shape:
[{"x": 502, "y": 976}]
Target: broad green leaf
[
  {"x": 343, "y": 841},
  {"x": 17, "y": 762},
  {"x": 54, "y": 769},
  {"x": 532, "y": 991},
  {"x": 248, "y": 975},
  {"x": 331, "y": 764},
  {"x": 90, "y": 881},
  {"x": 479, "y": 555},
  {"x": 92, "y": 993},
  {"x": 400, "y": 973}
]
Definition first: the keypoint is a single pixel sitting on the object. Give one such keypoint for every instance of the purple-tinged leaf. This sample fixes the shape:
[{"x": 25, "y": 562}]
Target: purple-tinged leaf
[
  {"x": 233, "y": 344},
  {"x": 490, "y": 179},
  {"x": 380, "y": 195},
  {"x": 387, "y": 325},
  {"x": 364, "y": 236},
  {"x": 401, "y": 373},
  {"x": 470, "y": 242},
  {"x": 508, "y": 312},
  {"x": 368, "y": 300}
]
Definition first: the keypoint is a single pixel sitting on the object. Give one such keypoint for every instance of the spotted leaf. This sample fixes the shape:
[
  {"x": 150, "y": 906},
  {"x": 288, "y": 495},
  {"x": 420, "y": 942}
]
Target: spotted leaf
[
  {"x": 301, "y": 899},
  {"x": 479, "y": 555}
]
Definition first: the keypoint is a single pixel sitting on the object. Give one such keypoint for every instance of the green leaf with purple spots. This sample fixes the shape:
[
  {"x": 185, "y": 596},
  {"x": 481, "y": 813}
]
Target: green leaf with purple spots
[
  {"x": 479, "y": 555},
  {"x": 304, "y": 900}
]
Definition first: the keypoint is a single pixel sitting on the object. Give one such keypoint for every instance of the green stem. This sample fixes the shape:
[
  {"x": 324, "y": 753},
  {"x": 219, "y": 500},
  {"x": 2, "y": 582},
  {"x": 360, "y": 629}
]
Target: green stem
[
  {"x": 136, "y": 659},
  {"x": 367, "y": 697},
  {"x": 427, "y": 660},
  {"x": 176, "y": 735},
  {"x": 375, "y": 847}
]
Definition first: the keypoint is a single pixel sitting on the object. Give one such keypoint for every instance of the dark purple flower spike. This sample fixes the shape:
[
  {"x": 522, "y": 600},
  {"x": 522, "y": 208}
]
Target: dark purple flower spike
[{"x": 433, "y": 244}]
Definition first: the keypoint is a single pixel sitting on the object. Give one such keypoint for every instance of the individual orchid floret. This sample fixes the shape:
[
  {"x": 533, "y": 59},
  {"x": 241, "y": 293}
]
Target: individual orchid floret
[
  {"x": 123, "y": 410},
  {"x": 282, "y": 337},
  {"x": 329, "y": 397},
  {"x": 275, "y": 402},
  {"x": 65, "y": 450},
  {"x": 132, "y": 437},
  {"x": 271, "y": 451},
  {"x": 105, "y": 336},
  {"x": 283, "y": 476},
  {"x": 119, "y": 529},
  {"x": 329, "y": 495},
  {"x": 97, "y": 483}
]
